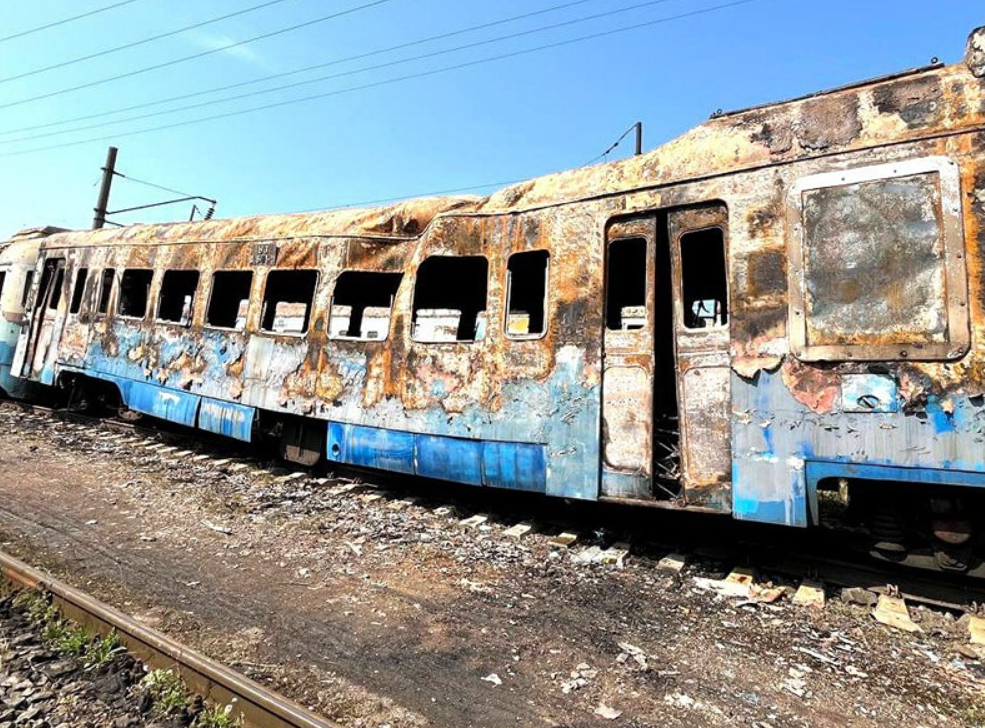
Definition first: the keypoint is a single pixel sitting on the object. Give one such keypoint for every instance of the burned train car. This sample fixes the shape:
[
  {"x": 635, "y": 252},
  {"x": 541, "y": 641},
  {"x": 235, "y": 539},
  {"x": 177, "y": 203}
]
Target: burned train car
[
  {"x": 778, "y": 313},
  {"x": 18, "y": 257}
]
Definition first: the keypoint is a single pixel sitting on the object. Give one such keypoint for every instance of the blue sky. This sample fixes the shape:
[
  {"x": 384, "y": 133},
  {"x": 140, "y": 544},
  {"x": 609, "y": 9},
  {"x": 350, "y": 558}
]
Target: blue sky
[{"x": 508, "y": 119}]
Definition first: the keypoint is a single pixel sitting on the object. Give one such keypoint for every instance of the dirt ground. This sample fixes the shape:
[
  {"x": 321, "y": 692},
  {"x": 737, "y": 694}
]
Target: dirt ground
[{"x": 377, "y": 609}]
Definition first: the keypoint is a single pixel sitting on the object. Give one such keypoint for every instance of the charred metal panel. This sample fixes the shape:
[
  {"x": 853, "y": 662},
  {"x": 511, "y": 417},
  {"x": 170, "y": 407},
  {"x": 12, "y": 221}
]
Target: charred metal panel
[
  {"x": 627, "y": 379},
  {"x": 702, "y": 336},
  {"x": 226, "y": 418},
  {"x": 975, "y": 53},
  {"x": 878, "y": 270}
]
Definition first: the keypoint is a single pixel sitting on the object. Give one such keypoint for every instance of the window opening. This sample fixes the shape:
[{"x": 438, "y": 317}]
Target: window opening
[
  {"x": 526, "y": 294},
  {"x": 28, "y": 280},
  {"x": 450, "y": 299},
  {"x": 230, "y": 299},
  {"x": 106, "y": 290},
  {"x": 56, "y": 289},
  {"x": 80, "y": 286},
  {"x": 3, "y": 277},
  {"x": 287, "y": 299},
  {"x": 177, "y": 296},
  {"x": 625, "y": 305},
  {"x": 362, "y": 303},
  {"x": 135, "y": 292},
  {"x": 704, "y": 286}
]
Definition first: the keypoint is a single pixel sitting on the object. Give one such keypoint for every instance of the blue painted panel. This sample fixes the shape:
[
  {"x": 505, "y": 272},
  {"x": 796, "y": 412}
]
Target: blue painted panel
[
  {"x": 449, "y": 458},
  {"x": 514, "y": 465},
  {"x": 521, "y": 466},
  {"x": 817, "y": 471},
  {"x": 167, "y": 404},
  {"x": 767, "y": 490},
  {"x": 371, "y": 447},
  {"x": 226, "y": 418}
]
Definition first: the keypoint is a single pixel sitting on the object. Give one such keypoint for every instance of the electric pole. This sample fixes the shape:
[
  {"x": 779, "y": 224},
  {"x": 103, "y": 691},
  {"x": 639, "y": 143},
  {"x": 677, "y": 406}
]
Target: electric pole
[{"x": 108, "y": 171}]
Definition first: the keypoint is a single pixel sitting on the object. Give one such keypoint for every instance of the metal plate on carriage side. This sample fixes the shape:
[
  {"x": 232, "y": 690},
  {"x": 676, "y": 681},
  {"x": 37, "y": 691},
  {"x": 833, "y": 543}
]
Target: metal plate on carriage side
[{"x": 264, "y": 254}]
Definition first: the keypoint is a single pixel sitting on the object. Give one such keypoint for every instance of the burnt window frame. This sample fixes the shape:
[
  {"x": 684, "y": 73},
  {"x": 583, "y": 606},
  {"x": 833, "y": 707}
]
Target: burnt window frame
[
  {"x": 508, "y": 296},
  {"x": 309, "y": 312},
  {"x": 393, "y": 304},
  {"x": 249, "y": 298},
  {"x": 103, "y": 296},
  {"x": 607, "y": 282},
  {"x": 147, "y": 301},
  {"x": 194, "y": 297},
  {"x": 958, "y": 338},
  {"x": 414, "y": 307},
  {"x": 58, "y": 286},
  {"x": 681, "y": 282},
  {"x": 77, "y": 300},
  {"x": 26, "y": 291}
]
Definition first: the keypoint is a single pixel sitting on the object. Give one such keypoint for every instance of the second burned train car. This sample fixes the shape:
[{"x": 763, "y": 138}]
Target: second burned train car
[{"x": 782, "y": 301}]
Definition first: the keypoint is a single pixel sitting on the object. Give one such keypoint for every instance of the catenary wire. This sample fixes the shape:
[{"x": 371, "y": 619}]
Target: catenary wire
[
  {"x": 385, "y": 82},
  {"x": 200, "y": 54},
  {"x": 143, "y": 41},
  {"x": 64, "y": 21},
  {"x": 337, "y": 61},
  {"x": 366, "y": 69},
  {"x": 611, "y": 146},
  {"x": 151, "y": 184}
]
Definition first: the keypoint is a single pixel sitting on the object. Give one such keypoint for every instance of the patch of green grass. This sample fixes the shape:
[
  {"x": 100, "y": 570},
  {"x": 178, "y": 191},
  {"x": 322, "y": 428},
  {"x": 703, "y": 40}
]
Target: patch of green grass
[
  {"x": 102, "y": 650},
  {"x": 36, "y": 606},
  {"x": 167, "y": 690},
  {"x": 218, "y": 716},
  {"x": 74, "y": 641}
]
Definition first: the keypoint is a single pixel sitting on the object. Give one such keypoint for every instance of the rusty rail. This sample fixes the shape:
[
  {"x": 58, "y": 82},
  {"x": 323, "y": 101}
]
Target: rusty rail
[{"x": 260, "y": 707}]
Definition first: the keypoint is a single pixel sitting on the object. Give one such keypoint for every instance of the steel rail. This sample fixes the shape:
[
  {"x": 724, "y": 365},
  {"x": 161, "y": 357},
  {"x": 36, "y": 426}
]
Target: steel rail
[{"x": 259, "y": 706}]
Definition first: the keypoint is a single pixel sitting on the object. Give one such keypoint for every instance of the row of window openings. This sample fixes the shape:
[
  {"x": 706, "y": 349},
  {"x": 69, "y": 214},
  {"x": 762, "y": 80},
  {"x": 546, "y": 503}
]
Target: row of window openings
[{"x": 449, "y": 298}]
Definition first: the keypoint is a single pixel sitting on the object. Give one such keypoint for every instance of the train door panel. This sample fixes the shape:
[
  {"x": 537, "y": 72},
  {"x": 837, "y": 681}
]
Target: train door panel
[
  {"x": 47, "y": 315},
  {"x": 699, "y": 247},
  {"x": 627, "y": 380}
]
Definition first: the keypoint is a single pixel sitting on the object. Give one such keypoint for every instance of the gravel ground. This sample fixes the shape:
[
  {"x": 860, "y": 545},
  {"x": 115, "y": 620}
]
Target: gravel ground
[
  {"x": 41, "y": 687},
  {"x": 379, "y": 609}
]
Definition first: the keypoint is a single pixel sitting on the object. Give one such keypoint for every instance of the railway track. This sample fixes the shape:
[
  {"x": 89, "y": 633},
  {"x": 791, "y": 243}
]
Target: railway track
[
  {"x": 717, "y": 543},
  {"x": 260, "y": 707}
]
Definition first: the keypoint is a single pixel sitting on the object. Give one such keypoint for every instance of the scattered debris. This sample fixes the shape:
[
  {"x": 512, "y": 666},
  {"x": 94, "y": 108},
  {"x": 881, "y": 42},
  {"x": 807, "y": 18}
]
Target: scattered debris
[
  {"x": 809, "y": 594},
  {"x": 976, "y": 629},
  {"x": 518, "y": 531},
  {"x": 493, "y": 678},
  {"x": 672, "y": 562},
  {"x": 564, "y": 539},
  {"x": 604, "y": 711},
  {"x": 225, "y": 530},
  {"x": 892, "y": 612}
]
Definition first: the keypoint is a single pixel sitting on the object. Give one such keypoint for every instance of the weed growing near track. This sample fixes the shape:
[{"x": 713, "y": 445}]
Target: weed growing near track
[
  {"x": 168, "y": 692},
  {"x": 217, "y": 717}
]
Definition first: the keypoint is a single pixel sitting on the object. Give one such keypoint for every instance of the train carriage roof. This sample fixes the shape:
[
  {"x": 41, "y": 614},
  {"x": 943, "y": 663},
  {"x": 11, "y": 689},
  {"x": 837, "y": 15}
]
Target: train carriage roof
[{"x": 915, "y": 104}]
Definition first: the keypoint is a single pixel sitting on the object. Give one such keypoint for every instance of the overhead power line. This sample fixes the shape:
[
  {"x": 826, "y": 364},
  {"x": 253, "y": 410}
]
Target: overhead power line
[
  {"x": 64, "y": 21},
  {"x": 201, "y": 54},
  {"x": 136, "y": 43},
  {"x": 385, "y": 82},
  {"x": 377, "y": 67},
  {"x": 334, "y": 62}
]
